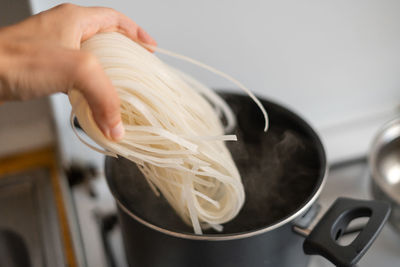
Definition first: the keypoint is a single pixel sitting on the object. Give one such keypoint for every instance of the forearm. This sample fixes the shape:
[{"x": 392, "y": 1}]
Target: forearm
[
  {"x": 4, "y": 90},
  {"x": 14, "y": 61}
]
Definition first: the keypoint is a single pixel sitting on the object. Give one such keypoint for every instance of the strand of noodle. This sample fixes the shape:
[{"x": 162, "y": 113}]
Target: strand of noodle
[
  {"x": 213, "y": 98},
  {"x": 216, "y": 227},
  {"x": 192, "y": 211},
  {"x": 215, "y": 203},
  {"x": 230, "y": 137},
  {"x": 157, "y": 150},
  {"x": 163, "y": 133}
]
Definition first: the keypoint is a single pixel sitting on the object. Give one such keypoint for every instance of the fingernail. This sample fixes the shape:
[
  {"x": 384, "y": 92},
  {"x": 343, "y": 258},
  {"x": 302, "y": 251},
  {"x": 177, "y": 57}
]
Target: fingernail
[{"x": 117, "y": 132}]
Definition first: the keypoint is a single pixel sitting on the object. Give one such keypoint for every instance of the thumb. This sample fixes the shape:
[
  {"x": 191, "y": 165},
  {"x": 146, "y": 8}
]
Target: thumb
[{"x": 100, "y": 94}]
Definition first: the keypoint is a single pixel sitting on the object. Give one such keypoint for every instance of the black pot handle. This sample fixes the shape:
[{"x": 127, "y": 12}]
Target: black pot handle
[{"x": 323, "y": 238}]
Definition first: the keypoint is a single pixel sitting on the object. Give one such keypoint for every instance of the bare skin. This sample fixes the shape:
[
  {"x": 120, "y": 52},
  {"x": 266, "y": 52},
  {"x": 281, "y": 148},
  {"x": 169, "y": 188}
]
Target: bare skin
[{"x": 40, "y": 56}]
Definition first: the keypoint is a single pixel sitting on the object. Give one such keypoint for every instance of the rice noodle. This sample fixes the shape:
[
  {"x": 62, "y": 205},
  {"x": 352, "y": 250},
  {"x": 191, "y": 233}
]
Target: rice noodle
[{"x": 173, "y": 131}]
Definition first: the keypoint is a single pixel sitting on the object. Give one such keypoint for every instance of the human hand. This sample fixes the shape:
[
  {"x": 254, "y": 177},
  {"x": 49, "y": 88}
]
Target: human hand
[{"x": 40, "y": 56}]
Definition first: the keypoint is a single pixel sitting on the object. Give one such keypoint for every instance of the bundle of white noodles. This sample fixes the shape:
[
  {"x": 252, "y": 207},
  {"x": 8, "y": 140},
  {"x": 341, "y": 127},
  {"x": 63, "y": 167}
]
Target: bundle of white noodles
[{"x": 173, "y": 132}]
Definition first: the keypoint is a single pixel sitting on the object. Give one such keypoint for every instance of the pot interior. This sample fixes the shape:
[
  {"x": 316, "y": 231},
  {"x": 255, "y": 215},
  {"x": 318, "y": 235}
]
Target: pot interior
[{"x": 281, "y": 171}]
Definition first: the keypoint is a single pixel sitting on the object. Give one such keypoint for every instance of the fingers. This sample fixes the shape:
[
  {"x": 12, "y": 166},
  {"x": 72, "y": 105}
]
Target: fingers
[
  {"x": 147, "y": 39},
  {"x": 74, "y": 24},
  {"x": 100, "y": 94},
  {"x": 37, "y": 69},
  {"x": 132, "y": 30},
  {"x": 100, "y": 19}
]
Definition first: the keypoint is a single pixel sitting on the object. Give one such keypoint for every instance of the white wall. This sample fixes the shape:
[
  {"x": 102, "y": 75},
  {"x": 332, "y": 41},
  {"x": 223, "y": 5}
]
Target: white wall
[{"x": 337, "y": 62}]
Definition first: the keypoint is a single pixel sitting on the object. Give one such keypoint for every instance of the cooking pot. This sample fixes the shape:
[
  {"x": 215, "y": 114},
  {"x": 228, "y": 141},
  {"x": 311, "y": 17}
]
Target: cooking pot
[
  {"x": 283, "y": 172},
  {"x": 384, "y": 163}
]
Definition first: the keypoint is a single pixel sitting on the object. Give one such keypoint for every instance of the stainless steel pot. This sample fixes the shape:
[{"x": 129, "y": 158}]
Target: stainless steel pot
[{"x": 384, "y": 163}]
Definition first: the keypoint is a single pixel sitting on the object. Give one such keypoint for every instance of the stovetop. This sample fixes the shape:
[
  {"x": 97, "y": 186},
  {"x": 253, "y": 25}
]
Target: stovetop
[{"x": 101, "y": 237}]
